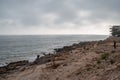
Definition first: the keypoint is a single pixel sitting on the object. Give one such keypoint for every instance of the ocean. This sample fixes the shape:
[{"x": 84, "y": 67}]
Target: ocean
[{"x": 26, "y": 47}]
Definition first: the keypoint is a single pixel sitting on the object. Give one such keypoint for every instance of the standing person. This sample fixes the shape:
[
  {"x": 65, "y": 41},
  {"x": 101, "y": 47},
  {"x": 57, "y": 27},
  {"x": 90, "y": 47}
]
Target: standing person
[
  {"x": 114, "y": 44},
  {"x": 37, "y": 59}
]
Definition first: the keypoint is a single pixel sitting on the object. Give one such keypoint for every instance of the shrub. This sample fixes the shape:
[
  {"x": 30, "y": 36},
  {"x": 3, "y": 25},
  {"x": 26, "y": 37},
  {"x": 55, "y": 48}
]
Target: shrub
[
  {"x": 113, "y": 51},
  {"x": 112, "y": 61},
  {"x": 104, "y": 56},
  {"x": 98, "y": 61}
]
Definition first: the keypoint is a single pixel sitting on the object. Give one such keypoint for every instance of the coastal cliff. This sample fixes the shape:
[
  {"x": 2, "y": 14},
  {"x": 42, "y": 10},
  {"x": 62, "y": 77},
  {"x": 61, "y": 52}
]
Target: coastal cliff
[{"x": 94, "y": 60}]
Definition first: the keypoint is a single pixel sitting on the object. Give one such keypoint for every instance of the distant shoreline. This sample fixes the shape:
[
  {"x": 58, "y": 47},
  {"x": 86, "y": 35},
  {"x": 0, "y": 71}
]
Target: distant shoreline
[{"x": 52, "y": 34}]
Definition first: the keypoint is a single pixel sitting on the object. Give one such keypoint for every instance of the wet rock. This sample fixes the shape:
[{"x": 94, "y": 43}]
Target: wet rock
[
  {"x": 14, "y": 65},
  {"x": 64, "y": 49},
  {"x": 3, "y": 70},
  {"x": 43, "y": 59}
]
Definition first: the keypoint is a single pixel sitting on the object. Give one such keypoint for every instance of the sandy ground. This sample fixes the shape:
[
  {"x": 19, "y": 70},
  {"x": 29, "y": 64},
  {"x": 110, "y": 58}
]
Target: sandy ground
[{"x": 97, "y": 61}]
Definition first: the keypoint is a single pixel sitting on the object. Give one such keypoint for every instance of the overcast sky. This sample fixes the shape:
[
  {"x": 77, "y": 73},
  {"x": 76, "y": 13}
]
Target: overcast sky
[{"x": 58, "y": 16}]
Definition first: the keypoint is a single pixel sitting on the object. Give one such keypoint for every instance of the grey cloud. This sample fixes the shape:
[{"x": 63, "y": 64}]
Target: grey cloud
[
  {"x": 29, "y": 13},
  {"x": 97, "y": 5}
]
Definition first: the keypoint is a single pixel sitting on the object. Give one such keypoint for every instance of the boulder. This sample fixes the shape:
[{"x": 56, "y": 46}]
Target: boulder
[
  {"x": 14, "y": 65},
  {"x": 3, "y": 70}
]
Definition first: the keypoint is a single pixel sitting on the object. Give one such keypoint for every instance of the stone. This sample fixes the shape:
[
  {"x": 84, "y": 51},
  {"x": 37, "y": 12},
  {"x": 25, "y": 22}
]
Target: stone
[
  {"x": 3, "y": 70},
  {"x": 14, "y": 65}
]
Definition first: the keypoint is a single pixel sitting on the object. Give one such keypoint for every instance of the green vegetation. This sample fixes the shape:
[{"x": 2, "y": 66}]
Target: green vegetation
[
  {"x": 104, "y": 56},
  {"x": 115, "y": 30}
]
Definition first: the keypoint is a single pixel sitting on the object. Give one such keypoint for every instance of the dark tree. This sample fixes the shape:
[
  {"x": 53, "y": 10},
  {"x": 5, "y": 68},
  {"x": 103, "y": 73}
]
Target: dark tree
[{"x": 115, "y": 30}]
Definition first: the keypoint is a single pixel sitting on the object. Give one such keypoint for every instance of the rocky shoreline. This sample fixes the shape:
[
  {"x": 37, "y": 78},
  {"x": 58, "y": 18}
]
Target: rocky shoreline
[
  {"x": 92, "y": 60},
  {"x": 13, "y": 66}
]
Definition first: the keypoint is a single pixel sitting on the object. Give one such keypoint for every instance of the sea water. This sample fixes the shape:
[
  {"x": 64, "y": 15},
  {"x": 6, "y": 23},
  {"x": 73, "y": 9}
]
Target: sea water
[{"x": 26, "y": 47}]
